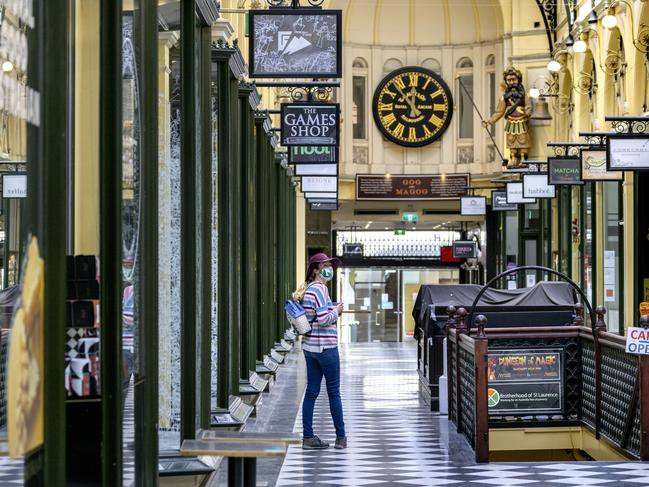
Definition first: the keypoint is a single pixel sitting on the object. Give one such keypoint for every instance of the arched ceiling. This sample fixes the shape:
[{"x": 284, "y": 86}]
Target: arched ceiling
[{"x": 419, "y": 22}]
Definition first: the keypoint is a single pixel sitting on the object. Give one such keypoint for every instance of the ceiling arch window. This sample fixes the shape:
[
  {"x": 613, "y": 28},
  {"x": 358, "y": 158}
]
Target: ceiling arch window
[
  {"x": 464, "y": 90},
  {"x": 390, "y": 65},
  {"x": 359, "y": 98},
  {"x": 490, "y": 71}
]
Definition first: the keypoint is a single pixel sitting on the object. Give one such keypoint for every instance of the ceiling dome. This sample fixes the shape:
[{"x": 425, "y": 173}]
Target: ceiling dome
[{"x": 419, "y": 22}]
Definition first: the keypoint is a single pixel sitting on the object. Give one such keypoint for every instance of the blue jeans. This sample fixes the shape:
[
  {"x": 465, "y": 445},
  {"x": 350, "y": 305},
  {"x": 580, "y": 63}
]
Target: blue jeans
[{"x": 325, "y": 364}]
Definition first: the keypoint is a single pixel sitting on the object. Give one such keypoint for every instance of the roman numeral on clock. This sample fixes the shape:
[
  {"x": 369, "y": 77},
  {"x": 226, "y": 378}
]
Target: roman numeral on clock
[
  {"x": 389, "y": 119},
  {"x": 398, "y": 130},
  {"x": 399, "y": 82},
  {"x": 386, "y": 107},
  {"x": 439, "y": 107},
  {"x": 436, "y": 94},
  {"x": 413, "y": 78},
  {"x": 412, "y": 133},
  {"x": 436, "y": 121}
]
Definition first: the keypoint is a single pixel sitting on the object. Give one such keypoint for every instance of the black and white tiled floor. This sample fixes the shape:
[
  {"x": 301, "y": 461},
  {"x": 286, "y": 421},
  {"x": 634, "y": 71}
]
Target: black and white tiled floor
[
  {"x": 11, "y": 471},
  {"x": 394, "y": 439}
]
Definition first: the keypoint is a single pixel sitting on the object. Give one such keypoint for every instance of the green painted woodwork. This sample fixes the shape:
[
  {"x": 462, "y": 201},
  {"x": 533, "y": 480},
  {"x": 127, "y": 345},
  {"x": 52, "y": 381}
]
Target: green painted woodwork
[
  {"x": 262, "y": 234},
  {"x": 146, "y": 388},
  {"x": 221, "y": 54},
  {"x": 188, "y": 126},
  {"x": 110, "y": 248},
  {"x": 206, "y": 225}
]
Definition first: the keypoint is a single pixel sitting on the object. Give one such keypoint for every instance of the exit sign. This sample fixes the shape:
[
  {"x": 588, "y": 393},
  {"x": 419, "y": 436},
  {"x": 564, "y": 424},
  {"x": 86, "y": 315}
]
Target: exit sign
[
  {"x": 400, "y": 231},
  {"x": 409, "y": 217}
]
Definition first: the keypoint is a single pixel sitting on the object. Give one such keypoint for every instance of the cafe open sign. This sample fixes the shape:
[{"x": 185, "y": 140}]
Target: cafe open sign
[{"x": 637, "y": 341}]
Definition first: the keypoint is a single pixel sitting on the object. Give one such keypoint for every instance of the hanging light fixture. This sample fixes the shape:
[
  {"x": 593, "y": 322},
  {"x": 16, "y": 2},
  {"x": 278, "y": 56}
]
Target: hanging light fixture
[
  {"x": 554, "y": 66},
  {"x": 580, "y": 46},
  {"x": 610, "y": 20},
  {"x": 534, "y": 93}
]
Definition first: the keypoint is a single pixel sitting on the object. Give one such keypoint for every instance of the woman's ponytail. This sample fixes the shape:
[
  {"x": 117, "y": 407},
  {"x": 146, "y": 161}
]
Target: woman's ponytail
[{"x": 298, "y": 294}]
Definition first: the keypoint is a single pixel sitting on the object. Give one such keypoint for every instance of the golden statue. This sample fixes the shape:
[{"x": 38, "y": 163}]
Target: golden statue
[{"x": 514, "y": 106}]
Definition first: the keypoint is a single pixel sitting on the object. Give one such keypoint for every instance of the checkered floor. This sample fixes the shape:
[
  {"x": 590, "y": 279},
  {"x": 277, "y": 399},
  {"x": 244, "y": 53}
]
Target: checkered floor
[
  {"x": 11, "y": 471},
  {"x": 395, "y": 440},
  {"x": 128, "y": 438}
]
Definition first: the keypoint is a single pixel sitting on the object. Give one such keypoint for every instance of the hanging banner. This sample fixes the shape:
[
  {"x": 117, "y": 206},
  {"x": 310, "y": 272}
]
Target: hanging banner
[
  {"x": 499, "y": 202},
  {"x": 525, "y": 382},
  {"x": 309, "y": 124},
  {"x": 316, "y": 170},
  {"x": 565, "y": 171},
  {"x": 295, "y": 43},
  {"x": 299, "y": 154},
  {"x": 628, "y": 152},
  {"x": 320, "y": 184},
  {"x": 593, "y": 166},
  {"x": 536, "y": 186},
  {"x": 415, "y": 187},
  {"x": 473, "y": 205},
  {"x": 515, "y": 194}
]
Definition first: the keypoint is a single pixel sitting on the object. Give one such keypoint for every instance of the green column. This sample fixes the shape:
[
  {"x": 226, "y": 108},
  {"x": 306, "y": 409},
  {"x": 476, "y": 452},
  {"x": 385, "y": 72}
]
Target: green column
[
  {"x": 262, "y": 234},
  {"x": 188, "y": 82},
  {"x": 146, "y": 389},
  {"x": 221, "y": 54},
  {"x": 49, "y": 165},
  {"x": 206, "y": 226},
  {"x": 249, "y": 235},
  {"x": 282, "y": 241},
  {"x": 234, "y": 235},
  {"x": 273, "y": 262},
  {"x": 110, "y": 249}
]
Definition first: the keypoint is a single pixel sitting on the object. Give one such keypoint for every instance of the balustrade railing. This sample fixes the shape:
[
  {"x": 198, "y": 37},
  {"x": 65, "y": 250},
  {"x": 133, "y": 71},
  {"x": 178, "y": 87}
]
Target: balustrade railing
[{"x": 605, "y": 389}]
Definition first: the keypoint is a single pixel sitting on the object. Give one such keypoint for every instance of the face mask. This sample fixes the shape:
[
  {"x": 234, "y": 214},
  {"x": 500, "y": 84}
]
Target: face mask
[{"x": 327, "y": 273}]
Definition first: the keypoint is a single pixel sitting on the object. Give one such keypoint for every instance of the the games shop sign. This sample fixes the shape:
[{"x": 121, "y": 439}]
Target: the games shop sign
[{"x": 309, "y": 124}]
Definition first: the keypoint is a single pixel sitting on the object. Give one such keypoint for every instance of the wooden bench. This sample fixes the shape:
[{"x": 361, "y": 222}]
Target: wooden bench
[{"x": 242, "y": 456}]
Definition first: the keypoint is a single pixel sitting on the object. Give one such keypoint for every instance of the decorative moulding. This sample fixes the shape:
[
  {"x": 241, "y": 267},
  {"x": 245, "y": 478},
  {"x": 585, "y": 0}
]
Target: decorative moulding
[{"x": 222, "y": 30}]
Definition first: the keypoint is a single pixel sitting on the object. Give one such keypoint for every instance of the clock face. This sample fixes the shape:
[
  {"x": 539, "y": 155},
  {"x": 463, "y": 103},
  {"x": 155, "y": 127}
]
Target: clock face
[{"x": 412, "y": 106}]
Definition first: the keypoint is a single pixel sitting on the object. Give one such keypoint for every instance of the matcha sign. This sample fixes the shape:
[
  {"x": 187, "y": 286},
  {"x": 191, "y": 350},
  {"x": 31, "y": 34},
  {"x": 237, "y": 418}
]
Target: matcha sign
[{"x": 564, "y": 171}]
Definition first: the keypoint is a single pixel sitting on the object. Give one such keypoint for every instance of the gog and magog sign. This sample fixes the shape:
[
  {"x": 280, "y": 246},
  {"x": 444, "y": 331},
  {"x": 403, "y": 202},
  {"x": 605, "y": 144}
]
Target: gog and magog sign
[{"x": 310, "y": 124}]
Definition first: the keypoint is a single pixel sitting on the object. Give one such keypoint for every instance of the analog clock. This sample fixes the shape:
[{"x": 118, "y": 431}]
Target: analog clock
[{"x": 412, "y": 106}]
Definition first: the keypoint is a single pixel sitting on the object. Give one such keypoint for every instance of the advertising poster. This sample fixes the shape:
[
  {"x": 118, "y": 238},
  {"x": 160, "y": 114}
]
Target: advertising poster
[
  {"x": 536, "y": 186},
  {"x": 515, "y": 194},
  {"x": 499, "y": 202},
  {"x": 288, "y": 43},
  {"x": 25, "y": 364},
  {"x": 473, "y": 205},
  {"x": 310, "y": 154},
  {"x": 525, "y": 381},
  {"x": 628, "y": 152}
]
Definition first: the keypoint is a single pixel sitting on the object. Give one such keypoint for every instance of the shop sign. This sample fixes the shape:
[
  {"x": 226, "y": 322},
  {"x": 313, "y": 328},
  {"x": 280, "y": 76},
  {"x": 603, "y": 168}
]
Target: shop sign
[
  {"x": 593, "y": 166},
  {"x": 536, "y": 186},
  {"x": 399, "y": 231},
  {"x": 415, "y": 187},
  {"x": 309, "y": 154},
  {"x": 465, "y": 249},
  {"x": 287, "y": 43},
  {"x": 306, "y": 124},
  {"x": 353, "y": 250},
  {"x": 499, "y": 202},
  {"x": 319, "y": 184},
  {"x": 628, "y": 152},
  {"x": 327, "y": 206},
  {"x": 327, "y": 199},
  {"x": 525, "y": 382},
  {"x": 446, "y": 256},
  {"x": 637, "y": 340},
  {"x": 321, "y": 196},
  {"x": 14, "y": 185},
  {"x": 473, "y": 205},
  {"x": 515, "y": 194},
  {"x": 316, "y": 169},
  {"x": 564, "y": 171}
]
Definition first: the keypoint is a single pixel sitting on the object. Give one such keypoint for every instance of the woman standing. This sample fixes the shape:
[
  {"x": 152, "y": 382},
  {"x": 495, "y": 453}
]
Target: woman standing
[{"x": 320, "y": 347}]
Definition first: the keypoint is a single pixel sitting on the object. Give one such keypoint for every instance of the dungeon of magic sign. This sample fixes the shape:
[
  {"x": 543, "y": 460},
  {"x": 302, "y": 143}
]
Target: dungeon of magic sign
[
  {"x": 290, "y": 43},
  {"x": 525, "y": 382}
]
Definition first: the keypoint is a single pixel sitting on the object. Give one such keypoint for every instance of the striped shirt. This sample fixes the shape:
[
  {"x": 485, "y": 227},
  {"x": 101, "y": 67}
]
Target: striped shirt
[{"x": 322, "y": 315}]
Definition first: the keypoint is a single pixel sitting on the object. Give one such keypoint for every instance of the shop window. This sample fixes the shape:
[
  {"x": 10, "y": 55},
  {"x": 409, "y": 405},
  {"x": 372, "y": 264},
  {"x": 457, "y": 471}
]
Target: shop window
[
  {"x": 465, "y": 94},
  {"x": 612, "y": 258},
  {"x": 359, "y": 99},
  {"x": 588, "y": 216}
]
